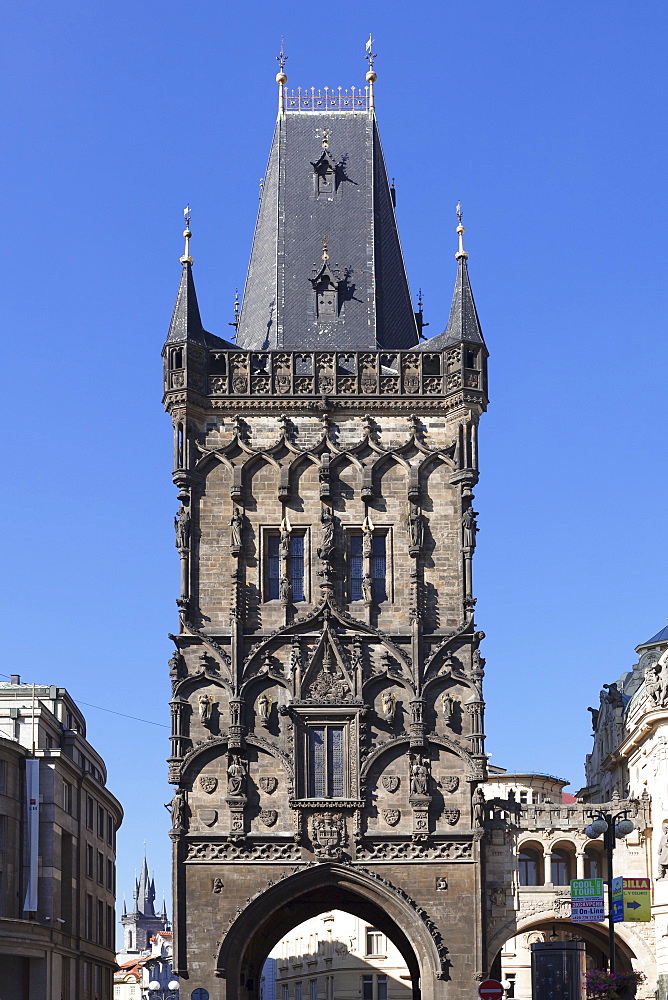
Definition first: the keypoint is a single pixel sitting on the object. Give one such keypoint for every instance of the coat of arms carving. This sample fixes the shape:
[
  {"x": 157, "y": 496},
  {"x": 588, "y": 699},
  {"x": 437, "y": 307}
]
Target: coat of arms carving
[
  {"x": 390, "y": 782},
  {"x": 268, "y": 816},
  {"x": 268, "y": 783},
  {"x": 391, "y": 816},
  {"x": 209, "y": 783},
  {"x": 451, "y": 816},
  {"x": 450, "y": 783},
  {"x": 328, "y": 833},
  {"x": 207, "y": 816}
]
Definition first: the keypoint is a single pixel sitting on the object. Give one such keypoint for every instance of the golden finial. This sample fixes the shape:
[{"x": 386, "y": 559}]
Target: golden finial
[
  {"x": 187, "y": 259},
  {"x": 325, "y": 254},
  {"x": 461, "y": 253},
  {"x": 325, "y": 138}
]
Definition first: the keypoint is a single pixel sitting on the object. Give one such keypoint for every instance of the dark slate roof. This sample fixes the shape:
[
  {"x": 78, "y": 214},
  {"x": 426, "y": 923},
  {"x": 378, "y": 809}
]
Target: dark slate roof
[
  {"x": 463, "y": 324},
  {"x": 661, "y": 636},
  {"x": 356, "y": 218},
  {"x": 186, "y": 321}
]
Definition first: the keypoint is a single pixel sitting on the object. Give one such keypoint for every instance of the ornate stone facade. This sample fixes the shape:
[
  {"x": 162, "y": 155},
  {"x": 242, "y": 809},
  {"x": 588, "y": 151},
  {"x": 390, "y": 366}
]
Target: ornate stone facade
[{"x": 327, "y": 710}]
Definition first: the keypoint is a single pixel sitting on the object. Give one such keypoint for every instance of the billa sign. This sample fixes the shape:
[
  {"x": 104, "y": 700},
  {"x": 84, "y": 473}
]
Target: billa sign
[{"x": 631, "y": 899}]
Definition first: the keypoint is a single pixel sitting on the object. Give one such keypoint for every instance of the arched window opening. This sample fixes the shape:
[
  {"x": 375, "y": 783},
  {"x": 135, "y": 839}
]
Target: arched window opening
[
  {"x": 561, "y": 867},
  {"x": 531, "y": 867},
  {"x": 593, "y": 863}
]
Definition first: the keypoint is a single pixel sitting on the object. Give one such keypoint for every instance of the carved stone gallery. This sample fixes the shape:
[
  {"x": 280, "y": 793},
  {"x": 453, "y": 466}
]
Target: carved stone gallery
[{"x": 327, "y": 712}]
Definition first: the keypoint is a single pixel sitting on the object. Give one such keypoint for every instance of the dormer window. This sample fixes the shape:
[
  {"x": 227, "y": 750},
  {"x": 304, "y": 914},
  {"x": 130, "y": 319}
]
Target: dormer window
[
  {"x": 326, "y": 288},
  {"x": 324, "y": 170}
]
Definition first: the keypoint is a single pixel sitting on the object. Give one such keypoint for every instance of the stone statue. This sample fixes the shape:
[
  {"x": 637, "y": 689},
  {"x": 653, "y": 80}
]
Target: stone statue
[
  {"x": 285, "y": 590},
  {"x": 367, "y": 588},
  {"x": 419, "y": 776},
  {"x": 656, "y": 683},
  {"x": 614, "y": 695},
  {"x": 511, "y": 796},
  {"x": 470, "y": 527},
  {"x": 367, "y": 544},
  {"x": 415, "y": 527},
  {"x": 389, "y": 703},
  {"x": 662, "y": 857},
  {"x": 177, "y": 808},
  {"x": 478, "y": 807},
  {"x": 326, "y": 550},
  {"x": 182, "y": 527},
  {"x": 448, "y": 703},
  {"x": 595, "y": 712},
  {"x": 205, "y": 705},
  {"x": 264, "y": 704},
  {"x": 236, "y": 776},
  {"x": 285, "y": 544},
  {"x": 177, "y": 666},
  {"x": 236, "y": 524}
]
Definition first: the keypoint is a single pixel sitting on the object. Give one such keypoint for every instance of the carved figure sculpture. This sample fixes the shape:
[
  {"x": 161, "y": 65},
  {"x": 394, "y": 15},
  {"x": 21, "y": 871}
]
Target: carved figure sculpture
[
  {"x": 177, "y": 807},
  {"x": 182, "y": 527},
  {"x": 236, "y": 524},
  {"x": 415, "y": 527},
  {"x": 285, "y": 590},
  {"x": 448, "y": 703},
  {"x": 595, "y": 712},
  {"x": 264, "y": 704},
  {"x": 662, "y": 856},
  {"x": 470, "y": 527},
  {"x": 613, "y": 696},
  {"x": 367, "y": 543},
  {"x": 419, "y": 776},
  {"x": 285, "y": 544},
  {"x": 389, "y": 703},
  {"x": 205, "y": 705},
  {"x": 478, "y": 808},
  {"x": 326, "y": 550},
  {"x": 177, "y": 666},
  {"x": 367, "y": 588},
  {"x": 236, "y": 776}
]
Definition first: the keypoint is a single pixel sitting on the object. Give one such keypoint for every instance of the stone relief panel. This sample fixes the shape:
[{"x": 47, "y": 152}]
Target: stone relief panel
[
  {"x": 444, "y": 713},
  {"x": 450, "y": 804},
  {"x": 208, "y": 715},
  {"x": 388, "y": 788},
  {"x": 267, "y": 808},
  {"x": 391, "y": 711}
]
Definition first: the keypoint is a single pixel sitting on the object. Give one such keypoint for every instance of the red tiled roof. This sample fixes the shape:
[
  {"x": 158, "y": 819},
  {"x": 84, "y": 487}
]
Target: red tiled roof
[{"x": 566, "y": 797}]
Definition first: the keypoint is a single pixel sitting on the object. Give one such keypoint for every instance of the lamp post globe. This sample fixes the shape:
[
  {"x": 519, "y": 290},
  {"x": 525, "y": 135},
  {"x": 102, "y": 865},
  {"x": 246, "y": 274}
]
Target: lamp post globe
[
  {"x": 624, "y": 828},
  {"x": 598, "y": 827}
]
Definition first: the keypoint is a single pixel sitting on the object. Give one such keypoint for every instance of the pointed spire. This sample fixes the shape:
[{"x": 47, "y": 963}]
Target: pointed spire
[
  {"x": 463, "y": 324},
  {"x": 186, "y": 322}
]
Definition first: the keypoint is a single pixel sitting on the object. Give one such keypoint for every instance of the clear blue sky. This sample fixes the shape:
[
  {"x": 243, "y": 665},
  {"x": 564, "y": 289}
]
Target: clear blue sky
[{"x": 547, "y": 120}]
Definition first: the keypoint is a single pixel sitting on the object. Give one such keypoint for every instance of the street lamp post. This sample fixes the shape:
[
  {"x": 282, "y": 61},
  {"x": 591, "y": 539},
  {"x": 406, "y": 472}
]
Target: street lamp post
[
  {"x": 612, "y": 828},
  {"x": 156, "y": 991}
]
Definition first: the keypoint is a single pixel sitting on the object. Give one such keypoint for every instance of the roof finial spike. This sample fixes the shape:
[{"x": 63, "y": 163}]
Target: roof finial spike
[
  {"x": 187, "y": 259},
  {"x": 325, "y": 254},
  {"x": 371, "y": 76},
  {"x": 281, "y": 77},
  {"x": 461, "y": 253}
]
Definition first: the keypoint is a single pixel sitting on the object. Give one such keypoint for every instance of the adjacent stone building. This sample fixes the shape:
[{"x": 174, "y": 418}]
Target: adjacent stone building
[
  {"x": 327, "y": 708},
  {"x": 57, "y": 915}
]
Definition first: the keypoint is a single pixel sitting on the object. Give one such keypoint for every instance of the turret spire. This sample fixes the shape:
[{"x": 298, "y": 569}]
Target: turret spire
[
  {"x": 187, "y": 259},
  {"x": 463, "y": 324}
]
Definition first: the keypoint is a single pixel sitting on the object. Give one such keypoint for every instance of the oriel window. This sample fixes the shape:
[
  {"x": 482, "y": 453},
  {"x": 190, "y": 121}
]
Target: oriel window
[{"x": 326, "y": 775}]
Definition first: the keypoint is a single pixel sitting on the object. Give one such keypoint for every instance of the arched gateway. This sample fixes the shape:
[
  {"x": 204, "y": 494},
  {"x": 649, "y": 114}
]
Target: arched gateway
[
  {"x": 327, "y": 710},
  {"x": 305, "y": 894}
]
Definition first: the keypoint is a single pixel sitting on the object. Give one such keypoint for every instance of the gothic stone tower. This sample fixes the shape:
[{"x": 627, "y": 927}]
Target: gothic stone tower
[{"x": 327, "y": 741}]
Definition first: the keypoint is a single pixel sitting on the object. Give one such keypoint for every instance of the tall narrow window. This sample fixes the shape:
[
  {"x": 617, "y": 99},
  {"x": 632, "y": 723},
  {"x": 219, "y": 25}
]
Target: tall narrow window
[
  {"x": 356, "y": 568},
  {"x": 379, "y": 568},
  {"x": 326, "y": 778},
  {"x": 273, "y": 580},
  {"x": 382, "y": 988},
  {"x": 296, "y": 566},
  {"x": 367, "y": 987}
]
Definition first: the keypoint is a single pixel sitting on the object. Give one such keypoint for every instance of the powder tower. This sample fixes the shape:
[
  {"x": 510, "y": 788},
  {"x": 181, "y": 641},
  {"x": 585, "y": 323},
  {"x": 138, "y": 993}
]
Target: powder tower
[{"x": 327, "y": 708}]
